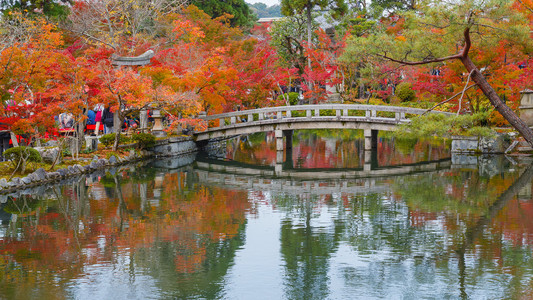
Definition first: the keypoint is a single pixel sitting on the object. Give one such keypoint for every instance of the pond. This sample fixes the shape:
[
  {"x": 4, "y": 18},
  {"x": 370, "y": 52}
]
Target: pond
[{"x": 425, "y": 225}]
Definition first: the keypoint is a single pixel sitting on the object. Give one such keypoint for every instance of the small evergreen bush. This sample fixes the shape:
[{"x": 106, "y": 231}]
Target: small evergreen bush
[
  {"x": 20, "y": 156},
  {"x": 404, "y": 91},
  {"x": 109, "y": 139},
  {"x": 144, "y": 140}
]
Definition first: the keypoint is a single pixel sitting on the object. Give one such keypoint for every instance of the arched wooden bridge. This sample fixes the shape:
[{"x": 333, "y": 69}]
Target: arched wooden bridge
[{"x": 282, "y": 120}]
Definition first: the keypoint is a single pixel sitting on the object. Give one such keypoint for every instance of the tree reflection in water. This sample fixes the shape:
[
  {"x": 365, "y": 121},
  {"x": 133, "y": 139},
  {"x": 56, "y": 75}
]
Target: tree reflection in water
[
  {"x": 453, "y": 233},
  {"x": 175, "y": 232}
]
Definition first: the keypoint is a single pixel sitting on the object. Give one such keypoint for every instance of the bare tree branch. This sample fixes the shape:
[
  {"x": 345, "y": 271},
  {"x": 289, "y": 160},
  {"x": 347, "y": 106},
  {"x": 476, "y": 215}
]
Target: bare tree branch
[
  {"x": 414, "y": 63},
  {"x": 463, "y": 93},
  {"x": 449, "y": 99}
]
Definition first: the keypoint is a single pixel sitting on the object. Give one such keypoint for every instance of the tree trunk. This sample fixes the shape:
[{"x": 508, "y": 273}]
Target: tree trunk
[
  {"x": 309, "y": 39},
  {"x": 117, "y": 139},
  {"x": 117, "y": 128},
  {"x": 496, "y": 101}
]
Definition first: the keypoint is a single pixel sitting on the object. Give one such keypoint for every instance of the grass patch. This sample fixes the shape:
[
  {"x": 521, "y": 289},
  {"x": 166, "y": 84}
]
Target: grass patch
[{"x": 6, "y": 168}]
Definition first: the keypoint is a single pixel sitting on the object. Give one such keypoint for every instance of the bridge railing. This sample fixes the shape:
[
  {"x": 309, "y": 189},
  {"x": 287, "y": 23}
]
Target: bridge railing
[{"x": 317, "y": 111}]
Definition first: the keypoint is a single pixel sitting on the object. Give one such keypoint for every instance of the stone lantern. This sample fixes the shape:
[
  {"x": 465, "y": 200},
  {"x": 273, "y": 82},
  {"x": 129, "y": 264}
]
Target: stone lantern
[
  {"x": 526, "y": 107},
  {"x": 157, "y": 130}
]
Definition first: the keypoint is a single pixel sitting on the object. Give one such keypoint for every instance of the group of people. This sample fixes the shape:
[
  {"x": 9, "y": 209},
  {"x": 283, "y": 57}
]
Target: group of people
[{"x": 99, "y": 119}]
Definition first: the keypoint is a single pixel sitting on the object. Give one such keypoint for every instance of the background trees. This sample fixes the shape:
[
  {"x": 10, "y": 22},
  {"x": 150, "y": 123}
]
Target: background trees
[
  {"x": 465, "y": 32},
  {"x": 47, "y": 68},
  {"x": 201, "y": 63},
  {"x": 241, "y": 14},
  {"x": 264, "y": 11}
]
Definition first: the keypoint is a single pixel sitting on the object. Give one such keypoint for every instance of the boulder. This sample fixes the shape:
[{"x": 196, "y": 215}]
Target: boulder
[
  {"x": 15, "y": 181},
  {"x": 79, "y": 168},
  {"x": 50, "y": 154},
  {"x": 62, "y": 172},
  {"x": 33, "y": 177},
  {"x": 54, "y": 175},
  {"x": 102, "y": 162},
  {"x": 113, "y": 160},
  {"x": 94, "y": 165},
  {"x": 40, "y": 174},
  {"x": 26, "y": 180},
  {"x": 72, "y": 170},
  {"x": 3, "y": 183}
]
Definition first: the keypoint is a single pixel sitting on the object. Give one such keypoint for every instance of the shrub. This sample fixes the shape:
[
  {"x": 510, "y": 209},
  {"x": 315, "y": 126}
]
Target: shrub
[
  {"x": 445, "y": 126},
  {"x": 113, "y": 153},
  {"x": 144, "y": 140},
  {"x": 405, "y": 92},
  {"x": 293, "y": 98},
  {"x": 109, "y": 139},
  {"x": 19, "y": 156}
]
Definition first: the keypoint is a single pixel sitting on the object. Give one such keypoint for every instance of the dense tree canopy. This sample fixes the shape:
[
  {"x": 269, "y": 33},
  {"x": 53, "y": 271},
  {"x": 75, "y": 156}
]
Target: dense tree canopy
[
  {"x": 242, "y": 15},
  {"x": 473, "y": 56},
  {"x": 264, "y": 11},
  {"x": 466, "y": 33},
  {"x": 53, "y": 8}
]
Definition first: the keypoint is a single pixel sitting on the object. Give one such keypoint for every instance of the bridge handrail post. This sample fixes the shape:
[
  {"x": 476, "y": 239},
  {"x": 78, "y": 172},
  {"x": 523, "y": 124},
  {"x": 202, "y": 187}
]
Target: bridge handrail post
[
  {"x": 345, "y": 112},
  {"x": 288, "y": 113},
  {"x": 317, "y": 112},
  {"x": 221, "y": 122},
  {"x": 308, "y": 113},
  {"x": 279, "y": 115},
  {"x": 250, "y": 118},
  {"x": 337, "y": 113}
]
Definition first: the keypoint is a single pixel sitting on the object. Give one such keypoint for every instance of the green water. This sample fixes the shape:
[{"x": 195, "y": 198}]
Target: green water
[{"x": 428, "y": 227}]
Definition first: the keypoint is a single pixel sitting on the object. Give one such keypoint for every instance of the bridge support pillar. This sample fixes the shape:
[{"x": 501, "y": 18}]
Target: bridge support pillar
[
  {"x": 368, "y": 161},
  {"x": 278, "y": 169},
  {"x": 371, "y": 139},
  {"x": 279, "y": 140},
  {"x": 371, "y": 160},
  {"x": 279, "y": 157},
  {"x": 279, "y": 152}
]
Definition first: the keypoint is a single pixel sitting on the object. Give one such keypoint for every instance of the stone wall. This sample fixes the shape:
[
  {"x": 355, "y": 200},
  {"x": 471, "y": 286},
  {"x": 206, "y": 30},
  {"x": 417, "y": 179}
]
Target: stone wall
[
  {"x": 473, "y": 144},
  {"x": 174, "y": 146},
  {"x": 42, "y": 177}
]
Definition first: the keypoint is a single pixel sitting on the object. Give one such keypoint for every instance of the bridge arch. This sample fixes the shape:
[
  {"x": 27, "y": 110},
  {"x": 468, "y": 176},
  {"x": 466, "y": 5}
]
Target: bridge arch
[{"x": 283, "y": 119}]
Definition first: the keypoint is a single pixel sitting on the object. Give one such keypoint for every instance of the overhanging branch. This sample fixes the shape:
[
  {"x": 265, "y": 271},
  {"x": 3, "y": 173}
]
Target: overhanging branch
[
  {"x": 449, "y": 99},
  {"x": 423, "y": 62}
]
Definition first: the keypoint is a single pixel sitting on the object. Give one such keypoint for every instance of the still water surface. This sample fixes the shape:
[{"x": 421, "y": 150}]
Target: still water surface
[{"x": 231, "y": 229}]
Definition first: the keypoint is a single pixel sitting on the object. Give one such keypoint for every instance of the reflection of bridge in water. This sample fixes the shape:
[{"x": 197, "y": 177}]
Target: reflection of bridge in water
[
  {"x": 289, "y": 186},
  {"x": 321, "y": 181},
  {"x": 286, "y": 168}
]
